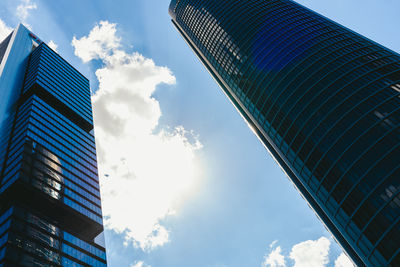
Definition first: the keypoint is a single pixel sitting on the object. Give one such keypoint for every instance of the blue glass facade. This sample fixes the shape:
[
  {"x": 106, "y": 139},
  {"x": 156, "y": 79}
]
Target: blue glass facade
[
  {"x": 324, "y": 100},
  {"x": 28, "y": 240},
  {"x": 3, "y": 46},
  {"x": 15, "y": 50},
  {"x": 49, "y": 189},
  {"x": 49, "y": 72}
]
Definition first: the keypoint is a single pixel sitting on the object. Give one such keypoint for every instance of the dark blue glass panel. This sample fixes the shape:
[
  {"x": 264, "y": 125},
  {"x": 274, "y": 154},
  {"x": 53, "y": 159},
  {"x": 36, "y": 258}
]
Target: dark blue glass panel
[{"x": 324, "y": 100}]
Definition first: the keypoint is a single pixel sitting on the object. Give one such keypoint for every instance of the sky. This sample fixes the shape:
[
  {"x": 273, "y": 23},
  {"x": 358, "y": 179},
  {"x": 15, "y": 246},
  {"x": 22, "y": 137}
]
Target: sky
[{"x": 184, "y": 180}]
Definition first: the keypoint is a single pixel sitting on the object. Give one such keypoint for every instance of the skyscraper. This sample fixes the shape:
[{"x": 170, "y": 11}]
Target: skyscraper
[
  {"x": 50, "y": 210},
  {"x": 324, "y": 101}
]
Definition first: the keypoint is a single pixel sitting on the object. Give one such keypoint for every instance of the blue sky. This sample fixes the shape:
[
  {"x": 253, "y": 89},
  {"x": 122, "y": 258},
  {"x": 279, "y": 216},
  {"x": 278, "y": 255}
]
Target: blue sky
[{"x": 185, "y": 181}]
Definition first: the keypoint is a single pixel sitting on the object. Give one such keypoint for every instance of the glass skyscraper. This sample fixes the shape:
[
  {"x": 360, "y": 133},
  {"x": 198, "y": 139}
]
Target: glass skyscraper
[
  {"x": 50, "y": 209},
  {"x": 325, "y": 102}
]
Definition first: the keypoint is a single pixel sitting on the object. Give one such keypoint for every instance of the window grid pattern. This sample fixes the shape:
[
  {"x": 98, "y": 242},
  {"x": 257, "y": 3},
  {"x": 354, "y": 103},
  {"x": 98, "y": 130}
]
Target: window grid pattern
[
  {"x": 55, "y": 169},
  {"x": 56, "y": 76},
  {"x": 32, "y": 241},
  {"x": 326, "y": 97},
  {"x": 49, "y": 175}
]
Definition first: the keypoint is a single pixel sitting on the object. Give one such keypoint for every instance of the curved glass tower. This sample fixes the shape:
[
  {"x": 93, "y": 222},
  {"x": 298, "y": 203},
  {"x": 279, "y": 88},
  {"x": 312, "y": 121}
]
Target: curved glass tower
[{"x": 324, "y": 100}]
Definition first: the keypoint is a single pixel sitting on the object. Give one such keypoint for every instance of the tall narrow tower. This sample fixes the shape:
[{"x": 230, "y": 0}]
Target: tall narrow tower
[
  {"x": 324, "y": 101},
  {"x": 50, "y": 210}
]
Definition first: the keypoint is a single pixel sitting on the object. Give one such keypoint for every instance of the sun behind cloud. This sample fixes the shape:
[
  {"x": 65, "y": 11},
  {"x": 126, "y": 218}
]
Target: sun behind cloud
[{"x": 143, "y": 172}]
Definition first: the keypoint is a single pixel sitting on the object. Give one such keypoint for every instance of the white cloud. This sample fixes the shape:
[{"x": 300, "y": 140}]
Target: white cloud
[
  {"x": 139, "y": 264},
  {"x": 343, "y": 261},
  {"x": 53, "y": 45},
  {"x": 23, "y": 9},
  {"x": 311, "y": 253},
  {"x": 100, "y": 44},
  {"x": 148, "y": 172},
  {"x": 275, "y": 257},
  {"x": 273, "y": 244},
  {"x": 4, "y": 30}
]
